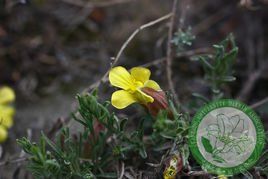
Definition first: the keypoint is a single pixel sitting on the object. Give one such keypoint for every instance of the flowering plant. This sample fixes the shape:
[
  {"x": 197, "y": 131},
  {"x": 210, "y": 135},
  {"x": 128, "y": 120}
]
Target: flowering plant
[
  {"x": 115, "y": 146},
  {"x": 136, "y": 86}
]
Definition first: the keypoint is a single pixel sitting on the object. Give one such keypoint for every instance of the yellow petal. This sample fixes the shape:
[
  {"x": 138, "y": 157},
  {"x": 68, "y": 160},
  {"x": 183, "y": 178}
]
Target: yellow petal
[
  {"x": 3, "y": 134},
  {"x": 7, "y": 95},
  {"x": 152, "y": 84},
  {"x": 6, "y": 121},
  {"x": 6, "y": 116},
  {"x": 7, "y": 110},
  {"x": 121, "y": 99},
  {"x": 121, "y": 78},
  {"x": 140, "y": 74},
  {"x": 143, "y": 98}
]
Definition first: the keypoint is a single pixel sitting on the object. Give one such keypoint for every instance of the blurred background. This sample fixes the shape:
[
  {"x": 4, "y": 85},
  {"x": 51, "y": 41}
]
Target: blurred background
[{"x": 51, "y": 50}]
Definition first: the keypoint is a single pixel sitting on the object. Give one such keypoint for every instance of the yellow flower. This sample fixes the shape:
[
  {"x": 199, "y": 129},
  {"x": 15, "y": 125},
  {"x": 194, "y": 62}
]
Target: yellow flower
[
  {"x": 7, "y": 112},
  {"x": 131, "y": 85},
  {"x": 6, "y": 116},
  {"x": 7, "y": 95}
]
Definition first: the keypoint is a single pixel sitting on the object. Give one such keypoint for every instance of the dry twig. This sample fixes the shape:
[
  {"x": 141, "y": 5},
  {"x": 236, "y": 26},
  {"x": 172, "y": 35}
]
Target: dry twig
[
  {"x": 255, "y": 57},
  {"x": 122, "y": 170},
  {"x": 170, "y": 53},
  {"x": 189, "y": 53},
  {"x": 197, "y": 173},
  {"x": 249, "y": 84},
  {"x": 57, "y": 126},
  {"x": 116, "y": 59},
  {"x": 259, "y": 103},
  {"x": 208, "y": 22},
  {"x": 14, "y": 161}
]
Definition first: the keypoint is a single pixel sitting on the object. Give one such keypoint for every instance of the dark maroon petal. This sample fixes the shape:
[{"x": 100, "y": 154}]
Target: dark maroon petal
[{"x": 160, "y": 101}]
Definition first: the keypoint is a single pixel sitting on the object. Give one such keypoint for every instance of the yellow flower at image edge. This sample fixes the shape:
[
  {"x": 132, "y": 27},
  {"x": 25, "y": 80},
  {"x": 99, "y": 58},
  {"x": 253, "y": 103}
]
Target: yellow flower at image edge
[
  {"x": 3, "y": 134},
  {"x": 222, "y": 177},
  {"x": 7, "y": 112},
  {"x": 6, "y": 115},
  {"x": 7, "y": 95},
  {"x": 131, "y": 84}
]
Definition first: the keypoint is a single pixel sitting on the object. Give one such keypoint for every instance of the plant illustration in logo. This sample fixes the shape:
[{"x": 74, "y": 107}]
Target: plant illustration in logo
[{"x": 228, "y": 137}]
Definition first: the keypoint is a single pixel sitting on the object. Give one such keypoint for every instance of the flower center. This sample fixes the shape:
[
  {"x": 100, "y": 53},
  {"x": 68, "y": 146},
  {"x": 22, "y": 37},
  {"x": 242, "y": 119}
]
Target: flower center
[{"x": 138, "y": 84}]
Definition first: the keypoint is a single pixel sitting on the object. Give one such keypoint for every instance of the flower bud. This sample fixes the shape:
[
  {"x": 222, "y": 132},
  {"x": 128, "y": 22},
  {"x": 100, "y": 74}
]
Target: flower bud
[{"x": 159, "y": 103}]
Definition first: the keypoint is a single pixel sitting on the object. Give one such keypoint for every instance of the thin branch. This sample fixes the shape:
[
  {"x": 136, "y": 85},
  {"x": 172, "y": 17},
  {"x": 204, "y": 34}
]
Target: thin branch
[
  {"x": 155, "y": 62},
  {"x": 249, "y": 85},
  {"x": 137, "y": 31},
  {"x": 103, "y": 78},
  {"x": 197, "y": 173},
  {"x": 189, "y": 53},
  {"x": 122, "y": 170},
  {"x": 169, "y": 53},
  {"x": 259, "y": 103},
  {"x": 57, "y": 126},
  {"x": 243, "y": 95},
  {"x": 255, "y": 58},
  {"x": 213, "y": 19},
  {"x": 162, "y": 60},
  {"x": 17, "y": 160}
]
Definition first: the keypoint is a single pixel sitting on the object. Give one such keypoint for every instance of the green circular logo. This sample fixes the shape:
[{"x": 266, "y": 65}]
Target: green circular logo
[{"x": 226, "y": 137}]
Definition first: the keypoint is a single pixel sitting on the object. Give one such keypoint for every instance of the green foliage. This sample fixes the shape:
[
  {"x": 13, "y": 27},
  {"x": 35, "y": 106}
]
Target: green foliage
[
  {"x": 218, "y": 66},
  {"x": 183, "y": 39},
  {"x": 62, "y": 159},
  {"x": 174, "y": 129},
  {"x": 93, "y": 152},
  {"x": 105, "y": 140},
  {"x": 170, "y": 131},
  {"x": 42, "y": 163}
]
